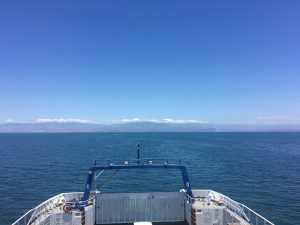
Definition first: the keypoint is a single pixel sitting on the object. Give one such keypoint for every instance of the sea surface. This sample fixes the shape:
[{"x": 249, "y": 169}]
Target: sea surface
[{"x": 261, "y": 170}]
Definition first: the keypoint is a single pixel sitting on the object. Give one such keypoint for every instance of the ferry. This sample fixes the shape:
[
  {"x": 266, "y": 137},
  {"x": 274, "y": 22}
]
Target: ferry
[{"x": 187, "y": 206}]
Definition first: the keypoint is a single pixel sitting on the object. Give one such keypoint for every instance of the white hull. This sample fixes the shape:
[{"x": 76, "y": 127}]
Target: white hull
[{"x": 205, "y": 208}]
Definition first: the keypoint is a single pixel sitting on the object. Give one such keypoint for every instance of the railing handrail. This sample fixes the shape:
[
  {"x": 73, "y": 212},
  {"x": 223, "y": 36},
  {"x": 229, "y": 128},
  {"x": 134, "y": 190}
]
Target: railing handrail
[
  {"x": 257, "y": 214},
  {"x": 22, "y": 217},
  {"x": 130, "y": 161},
  {"x": 38, "y": 209},
  {"x": 45, "y": 203},
  {"x": 226, "y": 198}
]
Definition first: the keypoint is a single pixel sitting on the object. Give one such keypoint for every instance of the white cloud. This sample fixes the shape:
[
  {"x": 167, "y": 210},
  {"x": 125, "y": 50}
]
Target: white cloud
[
  {"x": 181, "y": 121},
  {"x": 168, "y": 120},
  {"x": 130, "y": 120},
  {"x": 133, "y": 120},
  {"x": 154, "y": 121},
  {"x": 71, "y": 120},
  {"x": 9, "y": 121}
]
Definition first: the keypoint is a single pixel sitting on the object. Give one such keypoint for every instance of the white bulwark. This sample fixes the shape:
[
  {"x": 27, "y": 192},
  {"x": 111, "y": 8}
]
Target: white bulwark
[{"x": 207, "y": 207}]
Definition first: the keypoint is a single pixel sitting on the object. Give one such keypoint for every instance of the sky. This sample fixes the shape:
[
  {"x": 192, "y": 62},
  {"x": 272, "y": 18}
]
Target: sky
[{"x": 212, "y": 61}]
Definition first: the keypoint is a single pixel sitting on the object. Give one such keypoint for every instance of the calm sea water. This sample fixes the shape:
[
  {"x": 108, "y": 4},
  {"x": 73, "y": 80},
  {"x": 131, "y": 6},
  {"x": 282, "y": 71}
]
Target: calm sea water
[{"x": 261, "y": 170}]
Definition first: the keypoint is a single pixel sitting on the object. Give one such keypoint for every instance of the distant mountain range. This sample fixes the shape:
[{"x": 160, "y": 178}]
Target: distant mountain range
[{"x": 54, "y": 127}]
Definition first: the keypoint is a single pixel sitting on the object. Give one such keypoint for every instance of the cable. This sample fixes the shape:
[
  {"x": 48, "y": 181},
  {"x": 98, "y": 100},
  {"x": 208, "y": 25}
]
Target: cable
[{"x": 111, "y": 176}]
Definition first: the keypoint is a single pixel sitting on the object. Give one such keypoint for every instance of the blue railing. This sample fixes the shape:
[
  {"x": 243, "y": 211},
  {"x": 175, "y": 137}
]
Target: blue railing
[{"x": 148, "y": 163}]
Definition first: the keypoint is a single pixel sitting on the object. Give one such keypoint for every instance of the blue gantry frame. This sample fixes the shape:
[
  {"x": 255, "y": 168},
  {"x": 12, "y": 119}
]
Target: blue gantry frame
[{"x": 93, "y": 170}]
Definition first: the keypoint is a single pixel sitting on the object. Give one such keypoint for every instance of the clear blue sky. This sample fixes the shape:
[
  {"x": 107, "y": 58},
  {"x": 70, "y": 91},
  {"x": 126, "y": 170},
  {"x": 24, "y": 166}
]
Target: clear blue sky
[{"x": 215, "y": 61}]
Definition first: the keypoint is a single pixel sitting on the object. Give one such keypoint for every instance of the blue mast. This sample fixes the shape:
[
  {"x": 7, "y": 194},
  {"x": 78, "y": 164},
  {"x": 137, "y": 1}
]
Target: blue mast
[{"x": 138, "y": 154}]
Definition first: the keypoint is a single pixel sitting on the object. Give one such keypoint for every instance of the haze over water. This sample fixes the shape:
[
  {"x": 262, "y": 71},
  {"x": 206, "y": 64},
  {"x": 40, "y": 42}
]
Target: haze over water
[{"x": 260, "y": 170}]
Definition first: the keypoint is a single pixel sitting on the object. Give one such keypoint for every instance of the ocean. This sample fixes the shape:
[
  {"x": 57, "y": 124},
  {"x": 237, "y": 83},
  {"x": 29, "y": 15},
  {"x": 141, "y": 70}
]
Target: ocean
[{"x": 260, "y": 170}]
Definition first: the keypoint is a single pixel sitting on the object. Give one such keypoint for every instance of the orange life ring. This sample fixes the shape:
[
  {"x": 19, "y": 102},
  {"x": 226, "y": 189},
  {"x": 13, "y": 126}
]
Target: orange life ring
[{"x": 67, "y": 208}]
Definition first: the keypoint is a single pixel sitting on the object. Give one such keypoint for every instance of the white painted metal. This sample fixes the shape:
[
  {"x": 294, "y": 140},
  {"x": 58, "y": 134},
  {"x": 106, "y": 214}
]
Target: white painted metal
[
  {"x": 135, "y": 207},
  {"x": 212, "y": 207},
  {"x": 239, "y": 211},
  {"x": 41, "y": 214}
]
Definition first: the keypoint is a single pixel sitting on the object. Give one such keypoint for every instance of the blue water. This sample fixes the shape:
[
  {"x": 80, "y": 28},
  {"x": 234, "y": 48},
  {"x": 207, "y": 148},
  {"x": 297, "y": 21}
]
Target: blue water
[{"x": 261, "y": 170}]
